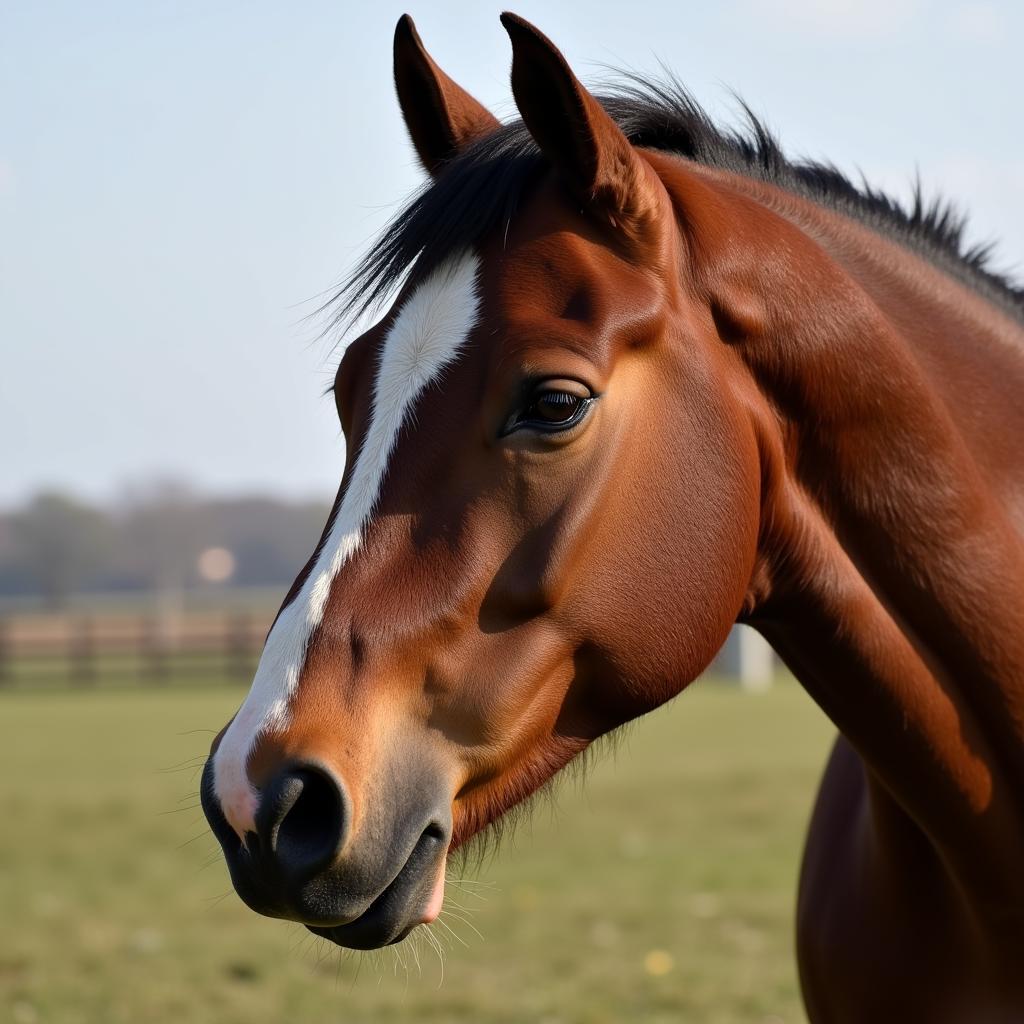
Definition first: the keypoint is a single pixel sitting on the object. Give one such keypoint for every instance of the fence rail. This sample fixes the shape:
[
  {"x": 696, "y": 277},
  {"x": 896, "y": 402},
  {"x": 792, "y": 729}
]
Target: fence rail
[{"x": 87, "y": 650}]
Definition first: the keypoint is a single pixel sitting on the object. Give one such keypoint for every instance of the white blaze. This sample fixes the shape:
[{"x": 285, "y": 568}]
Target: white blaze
[{"x": 427, "y": 334}]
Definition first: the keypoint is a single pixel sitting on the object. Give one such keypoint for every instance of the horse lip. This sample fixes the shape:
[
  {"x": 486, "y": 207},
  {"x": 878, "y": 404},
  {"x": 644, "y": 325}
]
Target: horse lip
[{"x": 382, "y": 924}]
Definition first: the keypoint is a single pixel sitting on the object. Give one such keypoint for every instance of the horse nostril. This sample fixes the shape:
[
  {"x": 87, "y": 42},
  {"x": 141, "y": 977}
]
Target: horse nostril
[{"x": 301, "y": 820}]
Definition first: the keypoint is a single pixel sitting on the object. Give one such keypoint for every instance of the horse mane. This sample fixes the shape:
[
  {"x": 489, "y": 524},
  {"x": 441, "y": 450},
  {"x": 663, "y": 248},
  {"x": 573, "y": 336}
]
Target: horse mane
[{"x": 480, "y": 189}]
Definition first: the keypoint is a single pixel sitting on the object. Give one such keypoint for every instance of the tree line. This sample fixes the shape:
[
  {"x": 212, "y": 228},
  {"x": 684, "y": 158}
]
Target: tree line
[{"x": 55, "y": 545}]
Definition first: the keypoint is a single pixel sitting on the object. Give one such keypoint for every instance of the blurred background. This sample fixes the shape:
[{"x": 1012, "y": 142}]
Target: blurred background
[{"x": 180, "y": 185}]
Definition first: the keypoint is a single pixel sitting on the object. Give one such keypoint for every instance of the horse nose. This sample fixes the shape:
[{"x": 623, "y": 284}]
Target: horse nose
[{"x": 302, "y": 820}]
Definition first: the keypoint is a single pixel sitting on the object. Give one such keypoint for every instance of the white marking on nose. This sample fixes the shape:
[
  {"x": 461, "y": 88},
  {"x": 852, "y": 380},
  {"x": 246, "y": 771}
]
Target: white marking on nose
[{"x": 427, "y": 334}]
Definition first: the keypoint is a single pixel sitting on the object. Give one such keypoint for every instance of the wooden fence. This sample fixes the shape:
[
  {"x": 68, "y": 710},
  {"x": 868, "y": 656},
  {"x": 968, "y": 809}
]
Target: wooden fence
[
  {"x": 92, "y": 650},
  {"x": 88, "y": 650}
]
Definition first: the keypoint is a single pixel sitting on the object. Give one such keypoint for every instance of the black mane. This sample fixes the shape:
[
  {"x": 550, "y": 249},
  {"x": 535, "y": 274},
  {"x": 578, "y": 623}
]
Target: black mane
[{"x": 478, "y": 192}]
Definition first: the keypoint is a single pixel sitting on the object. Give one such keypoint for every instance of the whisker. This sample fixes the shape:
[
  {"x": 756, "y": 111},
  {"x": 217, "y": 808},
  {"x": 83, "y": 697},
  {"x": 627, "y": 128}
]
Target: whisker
[
  {"x": 205, "y": 832},
  {"x": 337, "y": 970},
  {"x": 415, "y": 948},
  {"x": 324, "y": 951},
  {"x": 178, "y": 810},
  {"x": 377, "y": 959},
  {"x": 301, "y": 941},
  {"x": 355, "y": 976},
  {"x": 191, "y": 763},
  {"x": 470, "y": 892},
  {"x": 399, "y": 958},
  {"x": 212, "y": 859},
  {"x": 432, "y": 938},
  {"x": 468, "y": 923},
  {"x": 467, "y": 911},
  {"x": 215, "y": 901},
  {"x": 451, "y": 931}
]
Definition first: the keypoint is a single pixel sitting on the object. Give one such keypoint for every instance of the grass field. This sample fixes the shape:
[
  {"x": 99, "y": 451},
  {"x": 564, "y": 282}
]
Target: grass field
[{"x": 664, "y": 891}]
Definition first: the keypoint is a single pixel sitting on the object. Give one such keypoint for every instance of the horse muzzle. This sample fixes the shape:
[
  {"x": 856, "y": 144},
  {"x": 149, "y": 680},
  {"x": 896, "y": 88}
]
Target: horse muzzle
[{"x": 303, "y": 863}]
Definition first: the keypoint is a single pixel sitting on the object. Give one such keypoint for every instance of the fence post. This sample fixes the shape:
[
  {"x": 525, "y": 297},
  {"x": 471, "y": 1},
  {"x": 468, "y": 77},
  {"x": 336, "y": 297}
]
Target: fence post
[
  {"x": 747, "y": 659},
  {"x": 82, "y": 651},
  {"x": 5, "y": 652},
  {"x": 756, "y": 660},
  {"x": 239, "y": 668},
  {"x": 153, "y": 651}
]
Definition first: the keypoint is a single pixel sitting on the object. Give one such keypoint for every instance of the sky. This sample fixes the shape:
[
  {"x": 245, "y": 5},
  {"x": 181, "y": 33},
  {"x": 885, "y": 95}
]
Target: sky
[{"x": 181, "y": 181}]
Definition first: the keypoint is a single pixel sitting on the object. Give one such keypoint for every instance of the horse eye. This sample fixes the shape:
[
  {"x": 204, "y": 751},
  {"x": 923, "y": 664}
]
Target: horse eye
[{"x": 553, "y": 408}]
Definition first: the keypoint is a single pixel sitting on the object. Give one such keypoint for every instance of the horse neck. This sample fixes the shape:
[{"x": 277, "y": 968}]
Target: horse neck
[{"x": 890, "y": 562}]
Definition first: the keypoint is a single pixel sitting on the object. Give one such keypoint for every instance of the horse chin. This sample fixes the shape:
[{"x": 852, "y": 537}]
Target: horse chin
[
  {"x": 366, "y": 933},
  {"x": 373, "y": 930}
]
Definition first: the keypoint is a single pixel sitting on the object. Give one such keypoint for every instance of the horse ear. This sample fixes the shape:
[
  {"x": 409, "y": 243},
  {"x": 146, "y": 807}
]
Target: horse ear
[
  {"x": 572, "y": 129},
  {"x": 440, "y": 115}
]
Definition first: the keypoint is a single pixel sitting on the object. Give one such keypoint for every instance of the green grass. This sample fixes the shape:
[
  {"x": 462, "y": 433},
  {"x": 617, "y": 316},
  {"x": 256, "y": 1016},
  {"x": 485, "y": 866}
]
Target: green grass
[{"x": 664, "y": 891}]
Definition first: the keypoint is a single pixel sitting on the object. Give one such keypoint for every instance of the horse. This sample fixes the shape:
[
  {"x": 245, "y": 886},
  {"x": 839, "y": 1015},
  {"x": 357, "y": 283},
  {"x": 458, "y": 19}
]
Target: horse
[{"x": 642, "y": 378}]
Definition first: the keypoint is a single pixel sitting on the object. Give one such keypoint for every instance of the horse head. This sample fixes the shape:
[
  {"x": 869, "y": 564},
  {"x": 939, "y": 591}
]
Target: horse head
[{"x": 548, "y": 518}]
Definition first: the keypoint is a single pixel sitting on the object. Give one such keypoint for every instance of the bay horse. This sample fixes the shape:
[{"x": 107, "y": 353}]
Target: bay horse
[{"x": 645, "y": 378}]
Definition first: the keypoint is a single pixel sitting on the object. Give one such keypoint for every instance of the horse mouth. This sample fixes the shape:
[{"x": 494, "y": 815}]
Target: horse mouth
[{"x": 412, "y": 898}]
